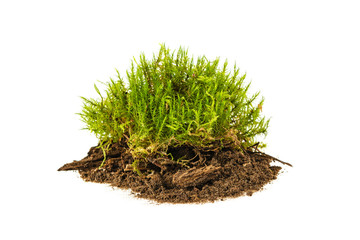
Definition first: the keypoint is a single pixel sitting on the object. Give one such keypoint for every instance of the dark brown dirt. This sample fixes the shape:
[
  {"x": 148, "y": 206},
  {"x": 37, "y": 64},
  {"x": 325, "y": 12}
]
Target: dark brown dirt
[{"x": 210, "y": 176}]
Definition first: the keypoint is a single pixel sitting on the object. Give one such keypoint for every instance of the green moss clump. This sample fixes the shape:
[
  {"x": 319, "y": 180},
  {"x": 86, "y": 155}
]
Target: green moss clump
[{"x": 174, "y": 99}]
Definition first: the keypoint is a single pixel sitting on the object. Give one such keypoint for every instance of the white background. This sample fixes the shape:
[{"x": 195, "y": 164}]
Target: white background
[{"x": 304, "y": 57}]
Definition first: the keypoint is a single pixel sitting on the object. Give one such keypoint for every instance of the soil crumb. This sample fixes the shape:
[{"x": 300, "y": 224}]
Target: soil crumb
[{"x": 211, "y": 176}]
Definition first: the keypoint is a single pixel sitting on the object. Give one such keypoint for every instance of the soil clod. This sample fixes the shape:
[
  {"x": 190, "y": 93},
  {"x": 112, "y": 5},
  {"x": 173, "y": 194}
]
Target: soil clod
[
  {"x": 195, "y": 176},
  {"x": 215, "y": 176}
]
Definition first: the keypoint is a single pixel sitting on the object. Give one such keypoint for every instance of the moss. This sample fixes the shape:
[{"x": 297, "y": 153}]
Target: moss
[{"x": 175, "y": 99}]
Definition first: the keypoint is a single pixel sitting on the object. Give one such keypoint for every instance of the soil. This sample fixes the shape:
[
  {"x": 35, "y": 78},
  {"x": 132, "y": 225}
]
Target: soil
[{"x": 209, "y": 176}]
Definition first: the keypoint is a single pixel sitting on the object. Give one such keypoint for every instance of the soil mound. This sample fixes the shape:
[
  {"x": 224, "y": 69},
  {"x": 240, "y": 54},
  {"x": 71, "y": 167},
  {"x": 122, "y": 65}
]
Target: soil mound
[{"x": 210, "y": 176}]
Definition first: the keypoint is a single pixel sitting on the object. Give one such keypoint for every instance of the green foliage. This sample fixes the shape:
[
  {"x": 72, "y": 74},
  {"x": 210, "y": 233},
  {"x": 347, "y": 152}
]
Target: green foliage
[{"x": 175, "y": 99}]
